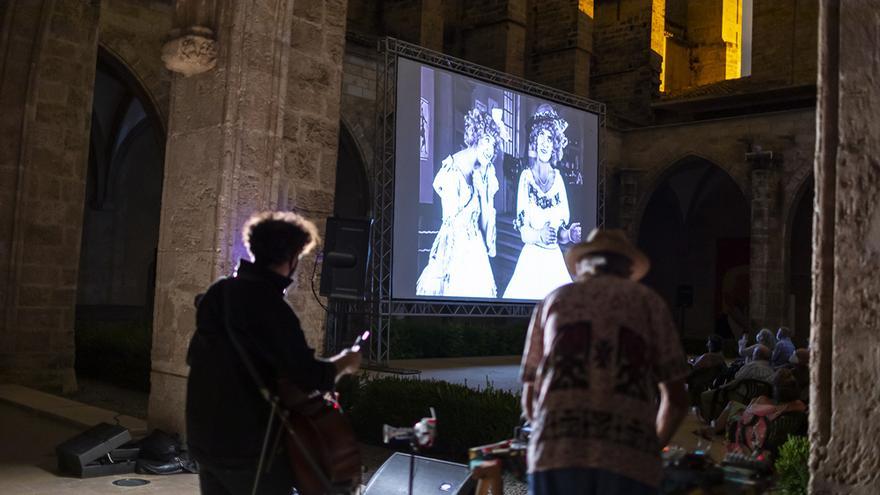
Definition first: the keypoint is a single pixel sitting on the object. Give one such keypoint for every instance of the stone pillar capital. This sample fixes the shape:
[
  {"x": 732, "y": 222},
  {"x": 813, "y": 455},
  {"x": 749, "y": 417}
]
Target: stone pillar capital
[
  {"x": 760, "y": 159},
  {"x": 191, "y": 51}
]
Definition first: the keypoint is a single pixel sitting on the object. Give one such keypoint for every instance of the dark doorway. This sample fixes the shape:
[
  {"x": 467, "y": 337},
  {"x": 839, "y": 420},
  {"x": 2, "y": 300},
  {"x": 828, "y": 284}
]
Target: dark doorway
[
  {"x": 801, "y": 259},
  {"x": 352, "y": 201},
  {"x": 120, "y": 231},
  {"x": 352, "y": 197},
  {"x": 696, "y": 229}
]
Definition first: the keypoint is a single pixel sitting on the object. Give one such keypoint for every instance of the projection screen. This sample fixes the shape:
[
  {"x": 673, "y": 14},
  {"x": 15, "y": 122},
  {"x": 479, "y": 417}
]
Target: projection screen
[{"x": 491, "y": 188}]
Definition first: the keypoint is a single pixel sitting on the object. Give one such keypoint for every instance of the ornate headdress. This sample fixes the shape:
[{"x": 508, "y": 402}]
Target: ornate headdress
[{"x": 545, "y": 117}]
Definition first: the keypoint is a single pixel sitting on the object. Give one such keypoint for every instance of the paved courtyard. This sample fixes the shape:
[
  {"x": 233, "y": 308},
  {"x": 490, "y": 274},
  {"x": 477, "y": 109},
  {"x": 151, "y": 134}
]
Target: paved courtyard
[{"x": 32, "y": 423}]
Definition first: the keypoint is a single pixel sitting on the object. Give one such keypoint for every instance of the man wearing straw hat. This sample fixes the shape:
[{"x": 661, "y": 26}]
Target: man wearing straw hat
[{"x": 598, "y": 353}]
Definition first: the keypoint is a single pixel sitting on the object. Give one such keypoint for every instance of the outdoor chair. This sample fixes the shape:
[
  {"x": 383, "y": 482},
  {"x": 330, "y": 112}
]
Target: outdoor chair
[
  {"x": 700, "y": 380},
  {"x": 712, "y": 402}
]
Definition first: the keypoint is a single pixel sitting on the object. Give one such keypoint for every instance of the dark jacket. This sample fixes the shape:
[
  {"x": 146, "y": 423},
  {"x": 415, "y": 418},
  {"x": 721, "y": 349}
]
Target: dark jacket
[{"x": 226, "y": 417}]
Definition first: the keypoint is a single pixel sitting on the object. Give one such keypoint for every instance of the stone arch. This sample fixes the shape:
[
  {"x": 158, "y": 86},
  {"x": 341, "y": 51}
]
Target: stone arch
[
  {"x": 120, "y": 229},
  {"x": 154, "y": 85},
  {"x": 360, "y": 139},
  {"x": 695, "y": 226},
  {"x": 797, "y": 256},
  {"x": 352, "y": 196},
  {"x": 655, "y": 178}
]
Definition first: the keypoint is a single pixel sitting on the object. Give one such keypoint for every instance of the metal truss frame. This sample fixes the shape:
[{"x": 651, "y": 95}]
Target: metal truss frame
[
  {"x": 382, "y": 306},
  {"x": 452, "y": 308}
]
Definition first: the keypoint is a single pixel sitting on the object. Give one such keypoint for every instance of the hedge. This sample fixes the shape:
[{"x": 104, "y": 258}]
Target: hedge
[
  {"x": 413, "y": 338},
  {"x": 465, "y": 417}
]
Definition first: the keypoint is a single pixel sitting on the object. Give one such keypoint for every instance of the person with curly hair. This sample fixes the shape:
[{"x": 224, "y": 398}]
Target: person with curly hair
[
  {"x": 244, "y": 319},
  {"x": 542, "y": 212},
  {"x": 458, "y": 265}
]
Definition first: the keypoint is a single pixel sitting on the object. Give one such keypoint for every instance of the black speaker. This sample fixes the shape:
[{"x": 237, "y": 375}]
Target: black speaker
[
  {"x": 346, "y": 253},
  {"x": 431, "y": 476},
  {"x": 96, "y": 452}
]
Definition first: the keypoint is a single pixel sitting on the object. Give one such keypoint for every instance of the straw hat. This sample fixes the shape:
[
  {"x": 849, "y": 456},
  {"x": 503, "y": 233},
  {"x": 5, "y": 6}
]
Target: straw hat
[{"x": 609, "y": 241}]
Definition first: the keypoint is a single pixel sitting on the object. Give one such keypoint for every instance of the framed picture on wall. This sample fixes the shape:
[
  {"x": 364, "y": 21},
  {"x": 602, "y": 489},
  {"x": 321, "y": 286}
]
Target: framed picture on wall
[{"x": 424, "y": 123}]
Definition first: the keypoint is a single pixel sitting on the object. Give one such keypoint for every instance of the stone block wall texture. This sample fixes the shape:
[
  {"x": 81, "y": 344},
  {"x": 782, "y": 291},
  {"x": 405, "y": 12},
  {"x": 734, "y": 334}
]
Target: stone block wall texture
[
  {"x": 784, "y": 40},
  {"x": 358, "y": 112},
  {"x": 415, "y": 21},
  {"x": 257, "y": 132},
  {"x": 638, "y": 160},
  {"x": 845, "y": 362},
  {"x": 714, "y": 28},
  {"x": 628, "y": 81},
  {"x": 48, "y": 52},
  {"x": 311, "y": 134},
  {"x": 133, "y": 31},
  {"x": 494, "y": 34},
  {"x": 560, "y": 44},
  {"x": 766, "y": 263}
]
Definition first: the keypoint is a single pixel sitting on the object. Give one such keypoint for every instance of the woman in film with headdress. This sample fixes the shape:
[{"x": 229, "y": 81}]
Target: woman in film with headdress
[
  {"x": 458, "y": 264},
  {"x": 542, "y": 211}
]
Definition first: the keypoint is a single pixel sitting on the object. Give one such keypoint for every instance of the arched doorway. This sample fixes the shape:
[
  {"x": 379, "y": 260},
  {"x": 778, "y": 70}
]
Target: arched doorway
[
  {"x": 695, "y": 229},
  {"x": 352, "y": 196},
  {"x": 352, "y": 200},
  {"x": 801, "y": 265},
  {"x": 120, "y": 230}
]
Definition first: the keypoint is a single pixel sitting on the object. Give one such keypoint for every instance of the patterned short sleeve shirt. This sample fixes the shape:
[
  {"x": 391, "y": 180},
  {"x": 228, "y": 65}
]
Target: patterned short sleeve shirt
[{"x": 595, "y": 352}]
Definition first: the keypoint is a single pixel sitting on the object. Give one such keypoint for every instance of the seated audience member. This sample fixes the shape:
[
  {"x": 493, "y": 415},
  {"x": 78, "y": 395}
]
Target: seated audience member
[
  {"x": 764, "y": 337},
  {"x": 758, "y": 368},
  {"x": 785, "y": 399},
  {"x": 713, "y": 356},
  {"x": 784, "y": 348}
]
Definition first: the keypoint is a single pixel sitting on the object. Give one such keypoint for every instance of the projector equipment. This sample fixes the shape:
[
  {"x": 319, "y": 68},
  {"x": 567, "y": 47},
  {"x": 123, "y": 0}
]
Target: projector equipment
[
  {"x": 431, "y": 477},
  {"x": 92, "y": 452},
  {"x": 346, "y": 252}
]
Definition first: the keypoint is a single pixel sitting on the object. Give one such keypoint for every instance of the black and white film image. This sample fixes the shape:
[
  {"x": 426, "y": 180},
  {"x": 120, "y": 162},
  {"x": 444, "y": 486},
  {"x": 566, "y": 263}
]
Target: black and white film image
[{"x": 491, "y": 189}]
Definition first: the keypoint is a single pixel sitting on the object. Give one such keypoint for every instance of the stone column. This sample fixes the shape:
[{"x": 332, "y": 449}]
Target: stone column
[
  {"x": 494, "y": 35},
  {"x": 628, "y": 193},
  {"x": 628, "y": 82},
  {"x": 845, "y": 341},
  {"x": 561, "y": 44},
  {"x": 254, "y": 130},
  {"x": 714, "y": 29},
  {"x": 766, "y": 301},
  {"x": 47, "y": 69},
  {"x": 415, "y": 21}
]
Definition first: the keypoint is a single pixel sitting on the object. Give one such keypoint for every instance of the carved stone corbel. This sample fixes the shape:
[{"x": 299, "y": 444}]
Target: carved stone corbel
[
  {"x": 191, "y": 53},
  {"x": 192, "y": 45}
]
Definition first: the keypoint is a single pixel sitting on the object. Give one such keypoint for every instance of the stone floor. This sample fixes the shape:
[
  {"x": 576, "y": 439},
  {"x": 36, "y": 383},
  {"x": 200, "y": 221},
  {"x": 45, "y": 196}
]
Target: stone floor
[
  {"x": 28, "y": 465},
  {"x": 33, "y": 422}
]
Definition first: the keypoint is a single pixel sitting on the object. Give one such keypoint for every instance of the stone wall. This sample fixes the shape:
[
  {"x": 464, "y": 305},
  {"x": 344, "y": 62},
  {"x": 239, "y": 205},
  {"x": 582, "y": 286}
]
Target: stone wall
[
  {"x": 494, "y": 34},
  {"x": 48, "y": 67},
  {"x": 628, "y": 81},
  {"x": 714, "y": 29},
  {"x": 644, "y": 157},
  {"x": 415, "y": 21},
  {"x": 561, "y": 44},
  {"x": 359, "y": 72},
  {"x": 784, "y": 40},
  {"x": 257, "y": 132},
  {"x": 311, "y": 136},
  {"x": 133, "y": 31},
  {"x": 845, "y": 362}
]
